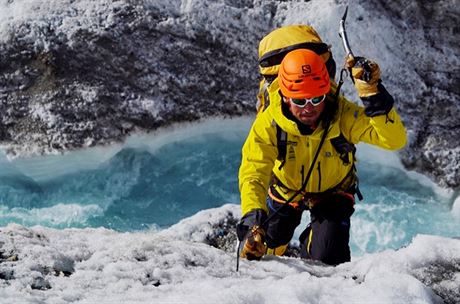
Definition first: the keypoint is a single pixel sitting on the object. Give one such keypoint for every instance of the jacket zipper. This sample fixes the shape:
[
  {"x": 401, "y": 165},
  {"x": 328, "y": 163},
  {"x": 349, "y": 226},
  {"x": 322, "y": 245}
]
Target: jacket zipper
[{"x": 319, "y": 176}]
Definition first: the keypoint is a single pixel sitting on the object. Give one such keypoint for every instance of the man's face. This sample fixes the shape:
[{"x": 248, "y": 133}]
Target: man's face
[{"x": 308, "y": 114}]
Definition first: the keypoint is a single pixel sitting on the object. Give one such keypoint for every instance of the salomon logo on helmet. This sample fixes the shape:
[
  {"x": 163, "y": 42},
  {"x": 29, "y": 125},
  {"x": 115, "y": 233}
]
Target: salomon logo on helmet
[{"x": 306, "y": 69}]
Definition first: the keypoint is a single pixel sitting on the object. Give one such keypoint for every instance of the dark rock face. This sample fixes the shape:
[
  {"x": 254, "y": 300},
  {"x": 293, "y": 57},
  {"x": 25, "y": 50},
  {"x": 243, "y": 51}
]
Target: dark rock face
[
  {"x": 431, "y": 108},
  {"x": 69, "y": 81},
  {"x": 144, "y": 68}
]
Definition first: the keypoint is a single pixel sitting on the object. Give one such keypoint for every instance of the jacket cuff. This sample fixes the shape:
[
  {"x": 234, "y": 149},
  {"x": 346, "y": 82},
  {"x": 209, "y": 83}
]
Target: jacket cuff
[{"x": 378, "y": 104}]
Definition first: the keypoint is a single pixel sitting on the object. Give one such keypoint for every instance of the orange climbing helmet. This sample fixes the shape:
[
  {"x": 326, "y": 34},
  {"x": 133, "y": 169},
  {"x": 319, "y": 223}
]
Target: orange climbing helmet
[{"x": 303, "y": 74}]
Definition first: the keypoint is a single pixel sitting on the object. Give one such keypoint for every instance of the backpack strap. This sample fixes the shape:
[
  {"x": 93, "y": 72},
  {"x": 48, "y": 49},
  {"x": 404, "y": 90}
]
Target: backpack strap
[
  {"x": 281, "y": 143},
  {"x": 343, "y": 147}
]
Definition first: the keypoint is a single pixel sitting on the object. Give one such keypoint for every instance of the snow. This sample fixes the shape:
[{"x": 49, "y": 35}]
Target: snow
[
  {"x": 176, "y": 266},
  {"x": 78, "y": 15},
  {"x": 456, "y": 207}
]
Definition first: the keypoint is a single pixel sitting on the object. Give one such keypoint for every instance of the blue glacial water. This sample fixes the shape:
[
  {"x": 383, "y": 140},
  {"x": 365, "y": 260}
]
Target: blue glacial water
[{"x": 155, "y": 180}]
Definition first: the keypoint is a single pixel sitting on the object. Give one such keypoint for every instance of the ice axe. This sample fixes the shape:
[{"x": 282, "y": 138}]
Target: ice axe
[{"x": 350, "y": 59}]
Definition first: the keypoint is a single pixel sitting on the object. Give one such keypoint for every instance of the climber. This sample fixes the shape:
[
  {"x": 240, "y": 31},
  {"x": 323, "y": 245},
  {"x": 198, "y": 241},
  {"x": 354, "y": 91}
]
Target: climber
[{"x": 299, "y": 155}]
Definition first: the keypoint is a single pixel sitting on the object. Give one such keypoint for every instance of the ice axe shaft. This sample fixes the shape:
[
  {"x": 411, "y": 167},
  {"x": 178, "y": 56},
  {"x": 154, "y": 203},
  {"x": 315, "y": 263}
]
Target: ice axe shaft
[
  {"x": 343, "y": 35},
  {"x": 350, "y": 59}
]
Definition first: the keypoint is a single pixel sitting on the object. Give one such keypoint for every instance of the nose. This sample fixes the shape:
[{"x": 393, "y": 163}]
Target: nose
[{"x": 309, "y": 107}]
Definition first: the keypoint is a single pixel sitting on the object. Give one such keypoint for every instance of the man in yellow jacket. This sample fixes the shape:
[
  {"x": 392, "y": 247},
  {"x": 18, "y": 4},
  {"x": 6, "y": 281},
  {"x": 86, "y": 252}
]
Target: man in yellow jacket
[{"x": 317, "y": 130}]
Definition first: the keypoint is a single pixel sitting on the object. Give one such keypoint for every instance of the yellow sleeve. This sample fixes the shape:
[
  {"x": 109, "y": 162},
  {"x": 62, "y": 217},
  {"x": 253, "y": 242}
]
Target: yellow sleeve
[
  {"x": 258, "y": 157},
  {"x": 385, "y": 131}
]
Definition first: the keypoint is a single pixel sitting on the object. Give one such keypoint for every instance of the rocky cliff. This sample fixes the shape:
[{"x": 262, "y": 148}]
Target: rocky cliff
[
  {"x": 82, "y": 73},
  {"x": 431, "y": 107}
]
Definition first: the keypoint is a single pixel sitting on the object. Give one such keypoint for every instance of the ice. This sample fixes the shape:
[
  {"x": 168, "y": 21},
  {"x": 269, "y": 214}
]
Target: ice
[
  {"x": 42, "y": 168},
  {"x": 456, "y": 208}
]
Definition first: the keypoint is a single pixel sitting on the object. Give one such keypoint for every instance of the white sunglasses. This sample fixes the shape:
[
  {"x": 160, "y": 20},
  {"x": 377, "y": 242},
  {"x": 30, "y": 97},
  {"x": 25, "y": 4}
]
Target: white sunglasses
[{"x": 302, "y": 102}]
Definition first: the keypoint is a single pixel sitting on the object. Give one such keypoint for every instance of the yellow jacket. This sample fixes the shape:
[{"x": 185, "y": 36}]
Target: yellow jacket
[{"x": 260, "y": 151}]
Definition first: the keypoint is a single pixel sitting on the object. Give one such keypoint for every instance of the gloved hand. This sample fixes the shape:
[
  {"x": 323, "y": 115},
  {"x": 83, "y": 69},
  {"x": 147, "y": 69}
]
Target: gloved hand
[
  {"x": 254, "y": 247},
  {"x": 366, "y": 75}
]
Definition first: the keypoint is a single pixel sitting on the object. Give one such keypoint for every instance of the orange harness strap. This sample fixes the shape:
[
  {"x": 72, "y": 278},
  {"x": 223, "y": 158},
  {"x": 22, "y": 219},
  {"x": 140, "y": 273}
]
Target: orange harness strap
[
  {"x": 307, "y": 201},
  {"x": 295, "y": 205}
]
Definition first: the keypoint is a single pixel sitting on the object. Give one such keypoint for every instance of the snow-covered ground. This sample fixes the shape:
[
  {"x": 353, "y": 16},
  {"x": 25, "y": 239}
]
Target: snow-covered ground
[{"x": 41, "y": 265}]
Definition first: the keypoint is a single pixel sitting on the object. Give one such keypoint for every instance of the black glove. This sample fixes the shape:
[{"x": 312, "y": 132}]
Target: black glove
[
  {"x": 252, "y": 234},
  {"x": 378, "y": 104}
]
